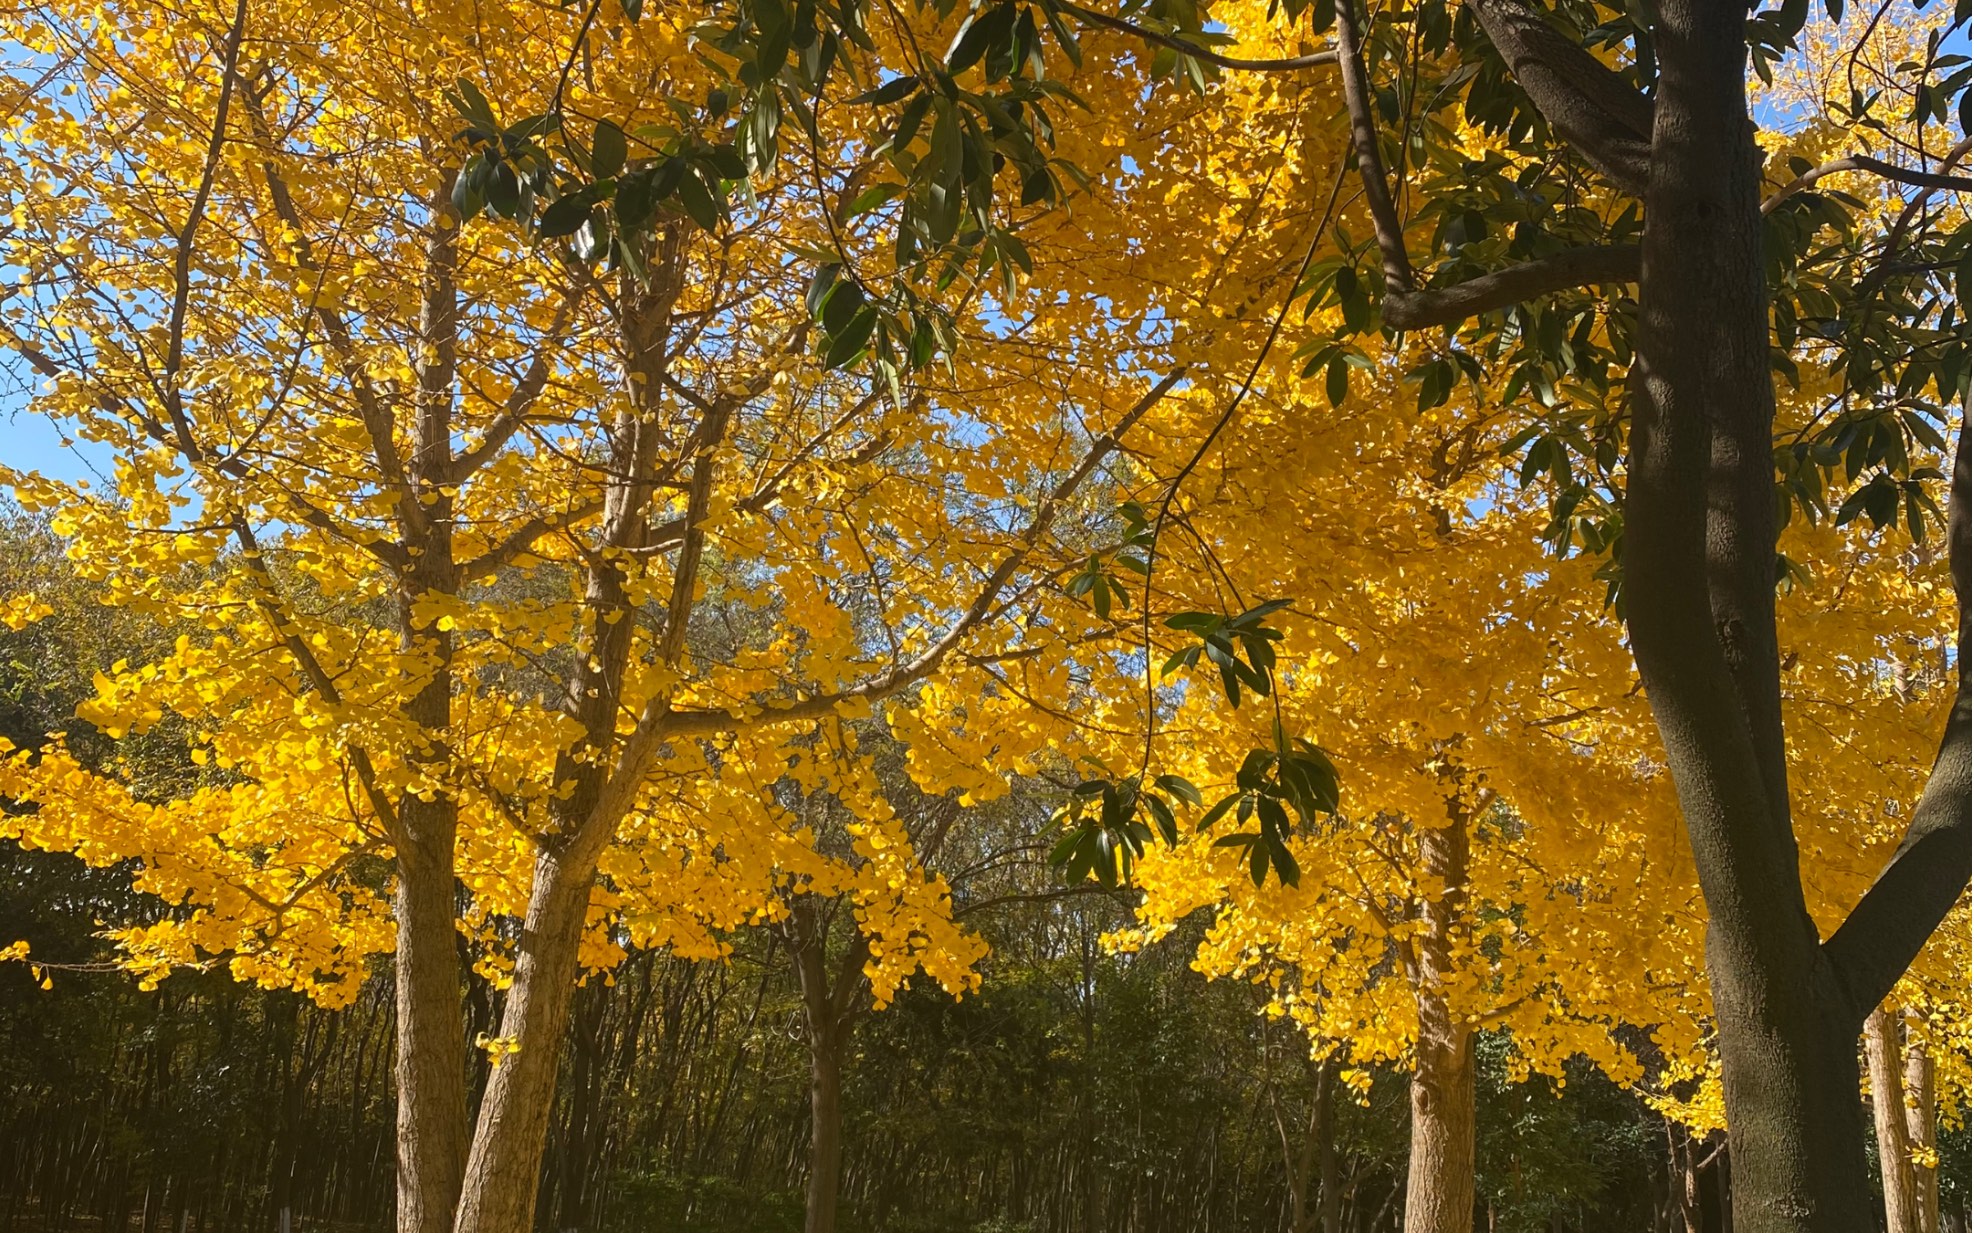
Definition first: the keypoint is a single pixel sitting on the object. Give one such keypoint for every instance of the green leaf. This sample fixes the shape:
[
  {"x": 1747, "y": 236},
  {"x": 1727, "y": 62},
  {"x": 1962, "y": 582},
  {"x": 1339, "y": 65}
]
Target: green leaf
[
  {"x": 981, "y": 31},
  {"x": 846, "y": 346},
  {"x": 871, "y": 198},
  {"x": 607, "y": 151},
  {"x": 697, "y": 202},
  {"x": 841, "y": 303},
  {"x": 1181, "y": 788},
  {"x": 895, "y": 90},
  {"x": 1218, "y": 811},
  {"x": 1285, "y": 867},
  {"x": 563, "y": 217}
]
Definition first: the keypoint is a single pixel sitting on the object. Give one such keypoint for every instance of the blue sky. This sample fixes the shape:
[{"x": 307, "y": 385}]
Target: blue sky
[{"x": 30, "y": 442}]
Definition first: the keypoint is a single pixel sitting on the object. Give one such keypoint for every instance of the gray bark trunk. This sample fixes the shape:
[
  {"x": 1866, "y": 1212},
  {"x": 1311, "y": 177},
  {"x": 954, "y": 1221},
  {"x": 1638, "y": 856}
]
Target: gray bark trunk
[
  {"x": 1699, "y": 564},
  {"x": 1439, "y": 1182},
  {"x": 825, "y": 1132},
  {"x": 431, "y": 1063}
]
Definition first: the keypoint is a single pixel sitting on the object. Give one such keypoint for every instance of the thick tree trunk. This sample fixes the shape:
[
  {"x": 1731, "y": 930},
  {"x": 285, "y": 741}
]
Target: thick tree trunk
[
  {"x": 1888, "y": 1113},
  {"x": 431, "y": 1058},
  {"x": 1699, "y": 587},
  {"x": 1439, "y": 1183},
  {"x": 504, "y": 1170},
  {"x": 1921, "y": 1128}
]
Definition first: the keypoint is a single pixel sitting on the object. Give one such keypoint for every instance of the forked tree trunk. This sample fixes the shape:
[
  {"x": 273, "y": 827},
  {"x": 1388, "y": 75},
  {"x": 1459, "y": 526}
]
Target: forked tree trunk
[
  {"x": 1699, "y": 557},
  {"x": 503, "y": 1169},
  {"x": 1888, "y": 1113},
  {"x": 1439, "y": 1182},
  {"x": 1921, "y": 1130}
]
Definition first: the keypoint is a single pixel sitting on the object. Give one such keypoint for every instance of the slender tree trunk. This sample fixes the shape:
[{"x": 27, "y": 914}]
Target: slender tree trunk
[
  {"x": 503, "y": 1171},
  {"x": 825, "y": 1130},
  {"x": 1439, "y": 1183},
  {"x": 431, "y": 1055},
  {"x": 1920, "y": 1130},
  {"x": 1330, "y": 1205},
  {"x": 1888, "y": 1113},
  {"x": 431, "y": 1063}
]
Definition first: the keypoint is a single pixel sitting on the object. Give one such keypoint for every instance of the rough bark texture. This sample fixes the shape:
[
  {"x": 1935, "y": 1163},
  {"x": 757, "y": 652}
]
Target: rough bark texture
[
  {"x": 1439, "y": 1182},
  {"x": 1699, "y": 565},
  {"x": 1921, "y": 1130},
  {"x": 1599, "y": 112},
  {"x": 431, "y": 1070},
  {"x": 504, "y": 1169},
  {"x": 1886, "y": 1062}
]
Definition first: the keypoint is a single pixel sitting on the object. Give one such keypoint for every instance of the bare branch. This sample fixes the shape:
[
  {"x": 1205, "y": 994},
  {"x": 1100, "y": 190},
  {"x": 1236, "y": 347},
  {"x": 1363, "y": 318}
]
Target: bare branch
[
  {"x": 378, "y": 422},
  {"x": 1574, "y": 267},
  {"x": 186, "y": 242},
  {"x": 1879, "y": 167},
  {"x": 1370, "y": 163}
]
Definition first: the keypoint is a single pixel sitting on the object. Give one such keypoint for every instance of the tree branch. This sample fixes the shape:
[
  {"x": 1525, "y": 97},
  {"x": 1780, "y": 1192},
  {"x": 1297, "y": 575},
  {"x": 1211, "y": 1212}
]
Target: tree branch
[
  {"x": 521, "y": 402},
  {"x": 185, "y": 243},
  {"x": 1597, "y": 111},
  {"x": 523, "y": 538},
  {"x": 1370, "y": 163},
  {"x": 1574, "y": 267},
  {"x": 1884, "y": 933},
  {"x": 659, "y": 722},
  {"x": 1879, "y": 167}
]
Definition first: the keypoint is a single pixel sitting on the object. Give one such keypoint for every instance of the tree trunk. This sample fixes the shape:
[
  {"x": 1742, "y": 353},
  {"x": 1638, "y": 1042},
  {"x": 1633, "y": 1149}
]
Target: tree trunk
[
  {"x": 585, "y": 1125},
  {"x": 504, "y": 1170},
  {"x": 1439, "y": 1184},
  {"x": 825, "y": 1130},
  {"x": 1920, "y": 1131},
  {"x": 1699, "y": 562},
  {"x": 431, "y": 1069},
  {"x": 1888, "y": 1113},
  {"x": 1330, "y": 1205}
]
